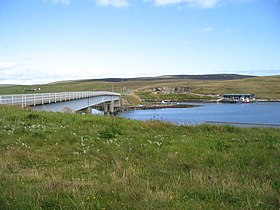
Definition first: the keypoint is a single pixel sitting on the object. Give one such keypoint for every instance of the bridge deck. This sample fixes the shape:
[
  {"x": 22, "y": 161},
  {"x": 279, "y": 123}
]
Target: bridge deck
[{"x": 25, "y": 100}]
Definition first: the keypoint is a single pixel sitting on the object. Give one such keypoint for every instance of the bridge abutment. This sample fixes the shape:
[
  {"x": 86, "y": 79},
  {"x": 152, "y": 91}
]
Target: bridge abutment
[
  {"x": 105, "y": 108},
  {"x": 88, "y": 110}
]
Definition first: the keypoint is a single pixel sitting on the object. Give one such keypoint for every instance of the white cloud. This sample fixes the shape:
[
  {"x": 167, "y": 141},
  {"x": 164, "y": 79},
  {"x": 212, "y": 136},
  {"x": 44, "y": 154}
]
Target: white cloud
[
  {"x": 63, "y": 2},
  {"x": 205, "y": 4},
  {"x": 7, "y": 65},
  {"x": 253, "y": 72},
  {"x": 28, "y": 76},
  {"x": 207, "y": 29},
  {"x": 18, "y": 73},
  {"x": 112, "y": 3}
]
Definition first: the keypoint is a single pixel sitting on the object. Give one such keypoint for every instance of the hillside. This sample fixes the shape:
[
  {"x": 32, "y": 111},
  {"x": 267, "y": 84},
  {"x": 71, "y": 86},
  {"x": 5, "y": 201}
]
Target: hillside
[
  {"x": 263, "y": 87},
  {"x": 174, "y": 77},
  {"x": 70, "y": 161}
]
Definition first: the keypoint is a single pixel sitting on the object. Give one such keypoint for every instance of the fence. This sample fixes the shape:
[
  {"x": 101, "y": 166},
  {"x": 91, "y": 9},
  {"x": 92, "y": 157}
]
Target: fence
[{"x": 25, "y": 100}]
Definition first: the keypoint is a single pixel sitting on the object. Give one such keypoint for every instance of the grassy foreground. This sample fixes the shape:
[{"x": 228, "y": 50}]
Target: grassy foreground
[{"x": 68, "y": 161}]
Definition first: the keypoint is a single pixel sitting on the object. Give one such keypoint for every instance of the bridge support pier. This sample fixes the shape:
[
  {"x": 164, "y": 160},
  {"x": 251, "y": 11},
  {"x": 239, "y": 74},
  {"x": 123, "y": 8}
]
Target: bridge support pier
[
  {"x": 105, "y": 108},
  {"x": 109, "y": 107},
  {"x": 118, "y": 103},
  {"x": 112, "y": 107}
]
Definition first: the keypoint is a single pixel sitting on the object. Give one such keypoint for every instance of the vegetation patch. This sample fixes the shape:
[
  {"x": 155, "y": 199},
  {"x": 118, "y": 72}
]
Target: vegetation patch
[
  {"x": 264, "y": 87},
  {"x": 150, "y": 96},
  {"x": 70, "y": 161}
]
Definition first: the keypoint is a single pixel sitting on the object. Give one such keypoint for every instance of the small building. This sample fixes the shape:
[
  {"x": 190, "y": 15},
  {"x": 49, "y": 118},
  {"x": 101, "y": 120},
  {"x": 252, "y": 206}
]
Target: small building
[
  {"x": 244, "y": 98},
  {"x": 33, "y": 89}
]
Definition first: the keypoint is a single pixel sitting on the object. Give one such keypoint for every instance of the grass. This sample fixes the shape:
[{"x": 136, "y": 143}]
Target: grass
[
  {"x": 131, "y": 100},
  {"x": 174, "y": 97},
  {"x": 70, "y": 161},
  {"x": 264, "y": 87}
]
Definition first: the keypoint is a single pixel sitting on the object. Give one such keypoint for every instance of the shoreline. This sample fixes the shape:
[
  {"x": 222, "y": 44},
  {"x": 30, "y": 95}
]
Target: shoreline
[
  {"x": 208, "y": 101},
  {"x": 166, "y": 106},
  {"x": 146, "y": 107}
]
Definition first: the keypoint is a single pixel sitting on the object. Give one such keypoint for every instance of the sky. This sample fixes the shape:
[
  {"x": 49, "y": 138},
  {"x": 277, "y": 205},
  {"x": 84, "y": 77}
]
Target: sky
[{"x": 43, "y": 41}]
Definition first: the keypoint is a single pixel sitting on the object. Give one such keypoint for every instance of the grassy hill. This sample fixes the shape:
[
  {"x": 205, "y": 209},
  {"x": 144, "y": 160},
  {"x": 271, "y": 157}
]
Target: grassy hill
[
  {"x": 70, "y": 161},
  {"x": 263, "y": 87},
  {"x": 172, "y": 77}
]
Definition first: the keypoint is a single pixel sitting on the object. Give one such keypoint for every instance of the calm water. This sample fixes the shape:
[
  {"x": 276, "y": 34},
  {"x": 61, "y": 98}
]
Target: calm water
[{"x": 257, "y": 113}]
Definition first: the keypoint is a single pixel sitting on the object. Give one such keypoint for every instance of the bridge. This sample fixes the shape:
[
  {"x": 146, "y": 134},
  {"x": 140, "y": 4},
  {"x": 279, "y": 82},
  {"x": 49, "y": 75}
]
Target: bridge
[{"x": 64, "y": 101}]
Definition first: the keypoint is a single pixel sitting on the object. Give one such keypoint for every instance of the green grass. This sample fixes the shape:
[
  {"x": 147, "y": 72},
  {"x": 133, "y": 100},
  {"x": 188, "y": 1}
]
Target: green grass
[
  {"x": 131, "y": 100},
  {"x": 70, "y": 161},
  {"x": 174, "y": 97}
]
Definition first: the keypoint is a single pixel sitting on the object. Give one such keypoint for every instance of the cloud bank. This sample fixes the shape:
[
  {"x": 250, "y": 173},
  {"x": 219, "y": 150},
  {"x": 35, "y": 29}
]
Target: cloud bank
[
  {"x": 7, "y": 66},
  {"x": 204, "y": 4},
  {"x": 112, "y": 3},
  {"x": 63, "y": 2}
]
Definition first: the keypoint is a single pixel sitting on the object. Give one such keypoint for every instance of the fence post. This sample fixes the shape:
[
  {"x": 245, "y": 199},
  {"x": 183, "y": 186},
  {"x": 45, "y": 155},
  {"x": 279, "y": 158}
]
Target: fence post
[{"x": 22, "y": 101}]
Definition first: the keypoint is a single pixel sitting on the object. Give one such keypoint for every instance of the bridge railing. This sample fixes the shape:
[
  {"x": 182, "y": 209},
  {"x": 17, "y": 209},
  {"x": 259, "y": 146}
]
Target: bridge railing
[{"x": 25, "y": 100}]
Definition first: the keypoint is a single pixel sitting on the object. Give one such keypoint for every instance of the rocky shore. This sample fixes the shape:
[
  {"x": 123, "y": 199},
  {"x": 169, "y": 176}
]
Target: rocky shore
[{"x": 157, "y": 106}]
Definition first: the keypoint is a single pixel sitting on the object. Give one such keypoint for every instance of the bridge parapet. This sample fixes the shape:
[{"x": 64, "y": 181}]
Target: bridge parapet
[{"x": 25, "y": 100}]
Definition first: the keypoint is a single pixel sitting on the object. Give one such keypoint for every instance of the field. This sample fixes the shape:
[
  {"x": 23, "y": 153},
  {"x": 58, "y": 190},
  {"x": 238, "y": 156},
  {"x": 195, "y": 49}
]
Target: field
[
  {"x": 264, "y": 87},
  {"x": 180, "y": 97},
  {"x": 70, "y": 161}
]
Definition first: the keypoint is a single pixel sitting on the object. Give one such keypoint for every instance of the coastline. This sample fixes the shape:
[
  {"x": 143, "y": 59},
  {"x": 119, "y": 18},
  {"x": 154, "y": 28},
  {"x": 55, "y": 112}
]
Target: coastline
[
  {"x": 165, "y": 106},
  {"x": 207, "y": 101},
  {"x": 158, "y": 106}
]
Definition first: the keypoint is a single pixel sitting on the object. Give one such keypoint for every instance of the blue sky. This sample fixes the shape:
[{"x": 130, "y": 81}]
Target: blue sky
[{"x": 49, "y": 40}]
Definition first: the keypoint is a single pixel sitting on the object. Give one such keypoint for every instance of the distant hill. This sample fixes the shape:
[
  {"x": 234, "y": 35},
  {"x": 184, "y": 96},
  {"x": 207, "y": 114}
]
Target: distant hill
[
  {"x": 266, "y": 87},
  {"x": 172, "y": 77},
  {"x": 5, "y": 85}
]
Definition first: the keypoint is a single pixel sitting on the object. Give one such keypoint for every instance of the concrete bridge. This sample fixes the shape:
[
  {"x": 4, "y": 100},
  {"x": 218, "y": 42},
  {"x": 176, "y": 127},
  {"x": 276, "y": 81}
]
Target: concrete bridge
[{"x": 64, "y": 101}]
